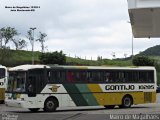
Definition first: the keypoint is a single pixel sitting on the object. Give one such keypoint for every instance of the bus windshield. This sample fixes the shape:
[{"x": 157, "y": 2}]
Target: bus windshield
[
  {"x": 16, "y": 82},
  {"x": 2, "y": 73}
]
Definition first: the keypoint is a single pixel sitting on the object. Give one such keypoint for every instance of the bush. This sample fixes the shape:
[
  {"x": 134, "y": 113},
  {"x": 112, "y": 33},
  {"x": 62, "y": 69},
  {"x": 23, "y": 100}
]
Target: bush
[
  {"x": 142, "y": 61},
  {"x": 53, "y": 58}
]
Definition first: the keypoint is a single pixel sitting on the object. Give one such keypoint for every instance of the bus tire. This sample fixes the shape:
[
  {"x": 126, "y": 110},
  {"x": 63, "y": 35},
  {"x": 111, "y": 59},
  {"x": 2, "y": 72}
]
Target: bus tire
[
  {"x": 109, "y": 106},
  {"x": 34, "y": 109},
  {"x": 127, "y": 101},
  {"x": 50, "y": 105},
  {"x": 1, "y": 101}
]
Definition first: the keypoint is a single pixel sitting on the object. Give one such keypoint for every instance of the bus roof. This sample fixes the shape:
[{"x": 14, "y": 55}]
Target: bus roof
[
  {"x": 1, "y": 66},
  {"x": 106, "y": 67},
  {"x": 28, "y": 67}
]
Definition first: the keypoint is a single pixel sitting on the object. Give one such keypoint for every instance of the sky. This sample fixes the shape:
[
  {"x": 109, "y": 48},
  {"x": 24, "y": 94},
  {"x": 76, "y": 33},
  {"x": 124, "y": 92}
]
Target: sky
[{"x": 82, "y": 28}]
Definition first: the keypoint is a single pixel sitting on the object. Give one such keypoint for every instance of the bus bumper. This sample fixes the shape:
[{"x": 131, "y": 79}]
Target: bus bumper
[
  {"x": 21, "y": 104},
  {"x": 15, "y": 103}
]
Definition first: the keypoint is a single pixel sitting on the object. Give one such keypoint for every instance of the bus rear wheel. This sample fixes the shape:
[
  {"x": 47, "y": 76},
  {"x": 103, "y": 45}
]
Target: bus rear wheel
[
  {"x": 50, "y": 105},
  {"x": 127, "y": 101},
  {"x": 109, "y": 106},
  {"x": 34, "y": 109}
]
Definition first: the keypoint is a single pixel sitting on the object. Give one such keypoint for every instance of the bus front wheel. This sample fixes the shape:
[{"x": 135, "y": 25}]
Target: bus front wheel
[
  {"x": 50, "y": 105},
  {"x": 127, "y": 101}
]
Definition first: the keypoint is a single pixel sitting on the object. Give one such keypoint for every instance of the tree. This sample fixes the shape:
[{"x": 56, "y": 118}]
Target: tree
[
  {"x": 5, "y": 55},
  {"x": 7, "y": 34},
  {"x": 42, "y": 40},
  {"x": 142, "y": 61},
  {"x": 1, "y": 38},
  {"x": 113, "y": 55},
  {"x": 30, "y": 37},
  {"x": 99, "y": 58},
  {"x": 53, "y": 58},
  {"x": 125, "y": 55},
  {"x": 19, "y": 43}
]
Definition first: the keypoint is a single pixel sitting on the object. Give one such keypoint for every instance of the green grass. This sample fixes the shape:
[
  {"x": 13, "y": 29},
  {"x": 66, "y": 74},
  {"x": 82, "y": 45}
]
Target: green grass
[
  {"x": 78, "y": 61},
  {"x": 24, "y": 57},
  {"x": 20, "y": 57}
]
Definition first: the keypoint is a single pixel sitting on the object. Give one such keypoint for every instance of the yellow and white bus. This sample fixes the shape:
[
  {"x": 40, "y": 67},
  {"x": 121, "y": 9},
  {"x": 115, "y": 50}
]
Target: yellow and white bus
[
  {"x": 48, "y": 87},
  {"x": 3, "y": 81}
]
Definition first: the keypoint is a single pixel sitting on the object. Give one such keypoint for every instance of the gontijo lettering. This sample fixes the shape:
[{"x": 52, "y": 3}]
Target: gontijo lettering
[{"x": 119, "y": 87}]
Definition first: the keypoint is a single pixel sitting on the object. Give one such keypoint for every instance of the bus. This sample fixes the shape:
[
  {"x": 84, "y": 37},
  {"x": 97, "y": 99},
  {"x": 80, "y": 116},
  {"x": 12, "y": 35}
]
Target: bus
[
  {"x": 49, "y": 87},
  {"x": 3, "y": 81}
]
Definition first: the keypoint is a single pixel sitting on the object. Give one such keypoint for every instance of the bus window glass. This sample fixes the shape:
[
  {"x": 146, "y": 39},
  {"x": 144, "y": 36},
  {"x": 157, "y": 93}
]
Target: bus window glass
[
  {"x": 62, "y": 76},
  {"x": 2, "y": 73},
  {"x": 150, "y": 77},
  {"x": 95, "y": 76},
  {"x": 83, "y": 76},
  {"x": 121, "y": 78},
  {"x": 89, "y": 76},
  {"x": 142, "y": 76},
  {"x": 70, "y": 76},
  {"x": 16, "y": 82},
  {"x": 57, "y": 76},
  {"x": 135, "y": 76},
  {"x": 54, "y": 76},
  {"x": 37, "y": 80},
  {"x": 107, "y": 76},
  {"x": 128, "y": 76}
]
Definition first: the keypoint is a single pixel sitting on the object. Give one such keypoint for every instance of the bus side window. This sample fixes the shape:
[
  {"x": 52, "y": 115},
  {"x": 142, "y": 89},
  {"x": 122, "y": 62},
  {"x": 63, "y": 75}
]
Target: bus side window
[
  {"x": 69, "y": 76},
  {"x": 61, "y": 76},
  {"x": 121, "y": 77},
  {"x": 89, "y": 76},
  {"x": 48, "y": 76},
  {"x": 83, "y": 76},
  {"x": 142, "y": 76},
  {"x": 150, "y": 76},
  {"x": 107, "y": 77}
]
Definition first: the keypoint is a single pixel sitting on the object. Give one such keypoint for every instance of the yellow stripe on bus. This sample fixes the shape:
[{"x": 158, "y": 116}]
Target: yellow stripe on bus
[
  {"x": 97, "y": 93},
  {"x": 2, "y": 92}
]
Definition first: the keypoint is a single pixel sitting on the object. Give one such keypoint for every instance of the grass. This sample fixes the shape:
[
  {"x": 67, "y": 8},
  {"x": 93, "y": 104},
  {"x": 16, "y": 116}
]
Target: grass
[{"x": 25, "y": 57}]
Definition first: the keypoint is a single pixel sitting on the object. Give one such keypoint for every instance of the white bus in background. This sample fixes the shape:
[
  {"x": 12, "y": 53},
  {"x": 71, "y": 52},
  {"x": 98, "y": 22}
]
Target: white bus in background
[{"x": 3, "y": 82}]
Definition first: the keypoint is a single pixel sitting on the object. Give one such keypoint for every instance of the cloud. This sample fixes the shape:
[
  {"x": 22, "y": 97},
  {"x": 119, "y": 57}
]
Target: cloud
[{"x": 78, "y": 27}]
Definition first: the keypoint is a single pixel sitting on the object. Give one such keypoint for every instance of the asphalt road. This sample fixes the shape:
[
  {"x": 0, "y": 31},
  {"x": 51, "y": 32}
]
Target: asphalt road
[{"x": 136, "y": 112}]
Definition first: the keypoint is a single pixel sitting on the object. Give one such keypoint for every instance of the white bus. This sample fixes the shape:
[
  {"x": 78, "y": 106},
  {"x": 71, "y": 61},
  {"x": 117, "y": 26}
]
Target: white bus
[
  {"x": 3, "y": 82},
  {"x": 48, "y": 87}
]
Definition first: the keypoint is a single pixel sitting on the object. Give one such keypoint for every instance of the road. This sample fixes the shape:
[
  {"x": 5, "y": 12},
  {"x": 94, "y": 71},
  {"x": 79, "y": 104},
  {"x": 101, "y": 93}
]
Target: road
[{"x": 136, "y": 112}]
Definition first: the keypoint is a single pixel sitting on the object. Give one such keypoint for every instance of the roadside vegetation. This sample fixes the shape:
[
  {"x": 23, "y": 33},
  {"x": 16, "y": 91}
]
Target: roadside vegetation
[{"x": 12, "y": 56}]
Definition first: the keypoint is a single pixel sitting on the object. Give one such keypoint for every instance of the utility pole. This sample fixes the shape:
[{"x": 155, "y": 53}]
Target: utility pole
[
  {"x": 132, "y": 46},
  {"x": 132, "y": 41},
  {"x": 33, "y": 44}
]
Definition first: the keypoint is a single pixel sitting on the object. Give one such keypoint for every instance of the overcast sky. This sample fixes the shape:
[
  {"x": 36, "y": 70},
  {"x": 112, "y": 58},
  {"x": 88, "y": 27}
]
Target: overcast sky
[{"x": 88, "y": 28}]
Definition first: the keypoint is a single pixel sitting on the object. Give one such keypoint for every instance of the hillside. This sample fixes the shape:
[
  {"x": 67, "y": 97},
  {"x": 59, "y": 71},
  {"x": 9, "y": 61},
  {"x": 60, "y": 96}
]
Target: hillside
[
  {"x": 152, "y": 51},
  {"x": 25, "y": 57},
  {"x": 19, "y": 57}
]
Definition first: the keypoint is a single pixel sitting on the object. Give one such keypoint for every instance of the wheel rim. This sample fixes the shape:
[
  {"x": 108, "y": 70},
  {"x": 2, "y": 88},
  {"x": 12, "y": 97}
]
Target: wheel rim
[
  {"x": 127, "y": 101},
  {"x": 50, "y": 105}
]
